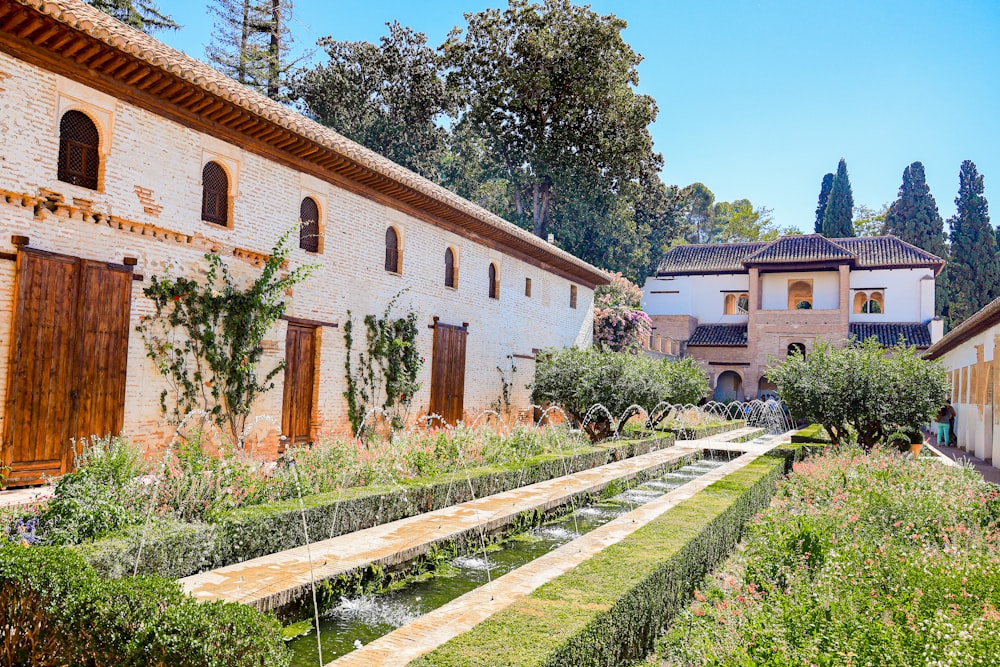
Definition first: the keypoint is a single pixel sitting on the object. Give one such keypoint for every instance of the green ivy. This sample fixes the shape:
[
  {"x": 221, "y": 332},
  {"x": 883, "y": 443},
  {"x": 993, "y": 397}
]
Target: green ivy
[
  {"x": 386, "y": 374},
  {"x": 206, "y": 337}
]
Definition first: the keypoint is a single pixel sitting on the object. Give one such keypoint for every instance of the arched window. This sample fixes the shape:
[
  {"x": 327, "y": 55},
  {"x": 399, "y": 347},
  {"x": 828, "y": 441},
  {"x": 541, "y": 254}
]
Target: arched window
[
  {"x": 215, "y": 194},
  {"x": 730, "y": 304},
  {"x": 449, "y": 269},
  {"x": 859, "y": 301},
  {"x": 79, "y": 156},
  {"x": 494, "y": 282},
  {"x": 875, "y": 305},
  {"x": 800, "y": 295},
  {"x": 392, "y": 251},
  {"x": 309, "y": 231},
  {"x": 737, "y": 304},
  {"x": 797, "y": 349},
  {"x": 572, "y": 296}
]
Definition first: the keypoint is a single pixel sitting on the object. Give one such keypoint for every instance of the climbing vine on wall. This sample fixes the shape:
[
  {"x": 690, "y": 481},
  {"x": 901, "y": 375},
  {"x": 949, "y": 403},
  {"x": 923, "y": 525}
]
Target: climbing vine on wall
[
  {"x": 206, "y": 337},
  {"x": 386, "y": 371}
]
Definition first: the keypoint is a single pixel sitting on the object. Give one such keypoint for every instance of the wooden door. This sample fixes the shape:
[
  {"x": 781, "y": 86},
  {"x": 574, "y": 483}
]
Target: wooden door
[
  {"x": 68, "y": 357},
  {"x": 448, "y": 372},
  {"x": 300, "y": 375}
]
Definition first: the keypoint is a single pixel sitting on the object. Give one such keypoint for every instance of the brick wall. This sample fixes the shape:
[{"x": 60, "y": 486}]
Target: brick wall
[{"x": 149, "y": 207}]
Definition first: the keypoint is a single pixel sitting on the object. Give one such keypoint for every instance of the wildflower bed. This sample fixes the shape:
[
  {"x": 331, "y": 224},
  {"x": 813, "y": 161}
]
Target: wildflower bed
[{"x": 860, "y": 560}]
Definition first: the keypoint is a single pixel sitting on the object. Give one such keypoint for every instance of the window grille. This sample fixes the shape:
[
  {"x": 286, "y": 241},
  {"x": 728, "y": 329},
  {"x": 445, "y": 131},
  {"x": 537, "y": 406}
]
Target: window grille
[
  {"x": 309, "y": 231},
  {"x": 392, "y": 250},
  {"x": 215, "y": 195},
  {"x": 449, "y": 268},
  {"x": 79, "y": 158},
  {"x": 494, "y": 282}
]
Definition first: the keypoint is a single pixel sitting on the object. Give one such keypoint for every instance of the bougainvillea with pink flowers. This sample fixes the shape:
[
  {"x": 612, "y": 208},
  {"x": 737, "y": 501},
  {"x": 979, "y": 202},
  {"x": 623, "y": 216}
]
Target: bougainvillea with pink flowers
[{"x": 619, "y": 323}]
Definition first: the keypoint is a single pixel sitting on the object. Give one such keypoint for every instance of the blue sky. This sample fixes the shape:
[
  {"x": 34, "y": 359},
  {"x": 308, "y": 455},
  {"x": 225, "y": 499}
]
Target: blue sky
[{"x": 760, "y": 99}]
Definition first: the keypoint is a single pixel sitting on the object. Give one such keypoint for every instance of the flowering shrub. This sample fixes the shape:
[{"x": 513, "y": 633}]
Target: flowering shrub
[
  {"x": 619, "y": 323},
  {"x": 860, "y": 560}
]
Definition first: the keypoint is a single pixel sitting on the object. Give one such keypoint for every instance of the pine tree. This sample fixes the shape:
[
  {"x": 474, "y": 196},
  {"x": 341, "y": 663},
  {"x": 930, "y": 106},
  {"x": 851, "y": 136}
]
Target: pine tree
[
  {"x": 914, "y": 217},
  {"x": 824, "y": 197},
  {"x": 974, "y": 271},
  {"x": 142, "y": 15},
  {"x": 250, "y": 43},
  {"x": 837, "y": 219}
]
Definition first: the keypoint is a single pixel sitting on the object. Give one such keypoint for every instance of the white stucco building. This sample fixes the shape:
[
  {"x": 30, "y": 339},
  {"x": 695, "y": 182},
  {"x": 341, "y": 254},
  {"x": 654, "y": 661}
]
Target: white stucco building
[
  {"x": 734, "y": 306},
  {"x": 123, "y": 158}
]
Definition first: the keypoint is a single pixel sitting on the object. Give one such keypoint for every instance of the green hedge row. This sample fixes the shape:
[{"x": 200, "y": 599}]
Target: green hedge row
[
  {"x": 610, "y": 609},
  {"x": 814, "y": 433},
  {"x": 705, "y": 430},
  {"x": 174, "y": 549},
  {"x": 57, "y": 610}
]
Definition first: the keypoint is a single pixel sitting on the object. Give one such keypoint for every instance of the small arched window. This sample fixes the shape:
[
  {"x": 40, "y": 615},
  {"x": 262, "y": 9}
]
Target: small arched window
[
  {"x": 743, "y": 304},
  {"x": 859, "y": 302},
  {"x": 494, "y": 282},
  {"x": 800, "y": 294},
  {"x": 392, "y": 250},
  {"x": 215, "y": 194},
  {"x": 875, "y": 305},
  {"x": 730, "y": 304},
  {"x": 572, "y": 296},
  {"x": 79, "y": 155},
  {"x": 449, "y": 269},
  {"x": 798, "y": 349},
  {"x": 309, "y": 229}
]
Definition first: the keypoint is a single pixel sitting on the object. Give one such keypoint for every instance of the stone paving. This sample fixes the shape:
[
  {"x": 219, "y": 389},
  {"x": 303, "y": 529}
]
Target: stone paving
[
  {"x": 272, "y": 581},
  {"x": 463, "y": 613},
  {"x": 27, "y": 496}
]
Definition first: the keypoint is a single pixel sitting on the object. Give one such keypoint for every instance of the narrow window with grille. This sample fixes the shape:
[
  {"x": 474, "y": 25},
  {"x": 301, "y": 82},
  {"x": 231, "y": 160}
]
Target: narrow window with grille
[
  {"x": 309, "y": 231},
  {"x": 572, "y": 296},
  {"x": 449, "y": 268},
  {"x": 527, "y": 287},
  {"x": 494, "y": 282},
  {"x": 79, "y": 157},
  {"x": 392, "y": 251},
  {"x": 215, "y": 195}
]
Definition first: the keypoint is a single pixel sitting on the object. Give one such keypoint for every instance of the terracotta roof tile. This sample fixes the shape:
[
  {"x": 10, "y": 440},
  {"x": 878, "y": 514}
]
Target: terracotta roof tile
[
  {"x": 793, "y": 249},
  {"x": 866, "y": 253},
  {"x": 888, "y": 333},
  {"x": 719, "y": 335}
]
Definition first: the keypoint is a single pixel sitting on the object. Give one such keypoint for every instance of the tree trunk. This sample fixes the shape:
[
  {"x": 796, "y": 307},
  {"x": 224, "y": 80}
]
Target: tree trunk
[
  {"x": 541, "y": 196},
  {"x": 274, "y": 52},
  {"x": 241, "y": 68}
]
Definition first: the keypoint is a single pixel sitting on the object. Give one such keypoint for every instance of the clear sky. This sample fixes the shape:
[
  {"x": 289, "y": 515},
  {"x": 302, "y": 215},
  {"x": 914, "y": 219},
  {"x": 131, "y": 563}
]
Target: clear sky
[{"x": 760, "y": 99}]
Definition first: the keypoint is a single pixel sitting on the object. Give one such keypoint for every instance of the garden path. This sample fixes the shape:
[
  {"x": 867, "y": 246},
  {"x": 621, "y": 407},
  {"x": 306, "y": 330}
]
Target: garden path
[
  {"x": 463, "y": 613},
  {"x": 273, "y": 581}
]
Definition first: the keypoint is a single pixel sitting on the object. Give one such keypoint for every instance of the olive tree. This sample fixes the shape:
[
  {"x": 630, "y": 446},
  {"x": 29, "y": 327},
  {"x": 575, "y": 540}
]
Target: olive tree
[
  {"x": 862, "y": 390},
  {"x": 577, "y": 379}
]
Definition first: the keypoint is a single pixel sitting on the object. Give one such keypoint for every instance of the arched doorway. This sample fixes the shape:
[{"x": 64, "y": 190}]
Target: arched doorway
[{"x": 728, "y": 387}]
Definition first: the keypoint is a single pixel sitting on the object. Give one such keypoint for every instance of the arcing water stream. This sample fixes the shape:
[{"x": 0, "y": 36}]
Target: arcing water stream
[{"x": 359, "y": 620}]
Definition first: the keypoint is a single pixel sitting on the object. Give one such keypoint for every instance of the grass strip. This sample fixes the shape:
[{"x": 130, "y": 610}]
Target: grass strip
[{"x": 610, "y": 609}]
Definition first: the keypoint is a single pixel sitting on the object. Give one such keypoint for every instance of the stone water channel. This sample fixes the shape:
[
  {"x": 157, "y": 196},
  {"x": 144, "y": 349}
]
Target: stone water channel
[{"x": 359, "y": 620}]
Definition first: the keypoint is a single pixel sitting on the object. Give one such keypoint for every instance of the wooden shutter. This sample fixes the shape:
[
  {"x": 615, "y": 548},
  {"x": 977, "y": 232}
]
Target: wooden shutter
[
  {"x": 79, "y": 150},
  {"x": 448, "y": 372},
  {"x": 215, "y": 195},
  {"x": 68, "y": 355},
  {"x": 300, "y": 376}
]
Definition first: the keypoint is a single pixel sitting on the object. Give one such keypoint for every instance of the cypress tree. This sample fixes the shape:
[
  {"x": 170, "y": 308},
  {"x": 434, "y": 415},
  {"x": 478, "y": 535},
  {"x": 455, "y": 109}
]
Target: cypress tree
[
  {"x": 974, "y": 271},
  {"x": 824, "y": 197},
  {"x": 914, "y": 217},
  {"x": 837, "y": 219}
]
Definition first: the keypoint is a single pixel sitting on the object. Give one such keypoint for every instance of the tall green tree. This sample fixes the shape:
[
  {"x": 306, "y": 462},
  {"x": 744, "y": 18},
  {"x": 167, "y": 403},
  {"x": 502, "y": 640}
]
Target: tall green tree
[
  {"x": 837, "y": 219},
  {"x": 250, "y": 43},
  {"x": 868, "y": 221},
  {"x": 550, "y": 88},
  {"x": 390, "y": 97},
  {"x": 914, "y": 217},
  {"x": 824, "y": 197},
  {"x": 142, "y": 15},
  {"x": 740, "y": 222},
  {"x": 699, "y": 223},
  {"x": 974, "y": 271}
]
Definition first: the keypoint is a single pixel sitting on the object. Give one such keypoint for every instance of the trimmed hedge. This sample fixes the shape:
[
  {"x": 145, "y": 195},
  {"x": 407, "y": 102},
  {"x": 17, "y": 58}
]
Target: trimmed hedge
[
  {"x": 176, "y": 549},
  {"x": 610, "y": 609},
  {"x": 813, "y": 433},
  {"x": 705, "y": 430},
  {"x": 57, "y": 610}
]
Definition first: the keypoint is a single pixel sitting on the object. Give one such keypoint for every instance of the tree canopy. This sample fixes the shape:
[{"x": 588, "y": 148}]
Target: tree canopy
[
  {"x": 142, "y": 15},
  {"x": 390, "y": 97},
  {"x": 824, "y": 196},
  {"x": 838, "y": 216},
  {"x": 974, "y": 272},
  {"x": 250, "y": 43}
]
